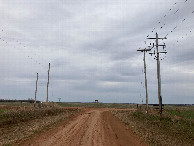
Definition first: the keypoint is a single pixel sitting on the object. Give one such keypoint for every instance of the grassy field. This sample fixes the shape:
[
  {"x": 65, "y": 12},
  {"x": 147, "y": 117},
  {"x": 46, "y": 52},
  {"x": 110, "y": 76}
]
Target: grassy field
[
  {"x": 20, "y": 122},
  {"x": 16, "y": 116},
  {"x": 175, "y": 127},
  {"x": 186, "y": 112}
]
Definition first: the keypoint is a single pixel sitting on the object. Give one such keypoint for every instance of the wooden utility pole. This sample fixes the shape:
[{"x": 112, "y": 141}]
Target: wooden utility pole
[
  {"x": 36, "y": 90},
  {"x": 158, "y": 69},
  {"x": 145, "y": 50},
  {"x": 48, "y": 83}
]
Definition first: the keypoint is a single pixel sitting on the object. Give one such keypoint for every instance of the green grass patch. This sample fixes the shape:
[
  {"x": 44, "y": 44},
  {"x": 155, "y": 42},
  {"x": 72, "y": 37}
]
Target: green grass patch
[
  {"x": 185, "y": 114},
  {"x": 2, "y": 111}
]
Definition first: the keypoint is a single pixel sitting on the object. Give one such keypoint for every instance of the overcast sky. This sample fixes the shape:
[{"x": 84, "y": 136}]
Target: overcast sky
[{"x": 91, "y": 45}]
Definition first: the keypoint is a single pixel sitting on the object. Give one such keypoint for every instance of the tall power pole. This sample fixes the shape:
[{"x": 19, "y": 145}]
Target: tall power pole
[
  {"x": 36, "y": 90},
  {"x": 157, "y": 57},
  {"x": 48, "y": 83},
  {"x": 145, "y": 50}
]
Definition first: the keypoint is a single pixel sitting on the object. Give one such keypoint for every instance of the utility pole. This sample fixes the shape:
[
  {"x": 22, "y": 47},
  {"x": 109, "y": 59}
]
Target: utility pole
[
  {"x": 145, "y": 50},
  {"x": 157, "y": 57},
  {"x": 48, "y": 83},
  {"x": 36, "y": 90}
]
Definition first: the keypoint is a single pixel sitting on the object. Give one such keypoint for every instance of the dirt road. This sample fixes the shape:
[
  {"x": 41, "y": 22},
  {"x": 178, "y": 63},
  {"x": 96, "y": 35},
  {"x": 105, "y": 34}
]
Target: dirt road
[{"x": 94, "y": 127}]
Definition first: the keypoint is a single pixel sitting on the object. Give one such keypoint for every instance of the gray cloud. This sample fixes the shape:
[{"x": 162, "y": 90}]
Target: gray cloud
[{"x": 91, "y": 46}]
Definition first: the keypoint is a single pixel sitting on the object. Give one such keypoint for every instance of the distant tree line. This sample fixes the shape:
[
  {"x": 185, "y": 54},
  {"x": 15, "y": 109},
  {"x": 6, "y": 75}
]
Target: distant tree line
[{"x": 10, "y": 100}]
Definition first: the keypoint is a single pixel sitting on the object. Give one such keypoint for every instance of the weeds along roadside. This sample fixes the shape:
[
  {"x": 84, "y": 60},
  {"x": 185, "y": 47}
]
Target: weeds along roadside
[{"x": 166, "y": 130}]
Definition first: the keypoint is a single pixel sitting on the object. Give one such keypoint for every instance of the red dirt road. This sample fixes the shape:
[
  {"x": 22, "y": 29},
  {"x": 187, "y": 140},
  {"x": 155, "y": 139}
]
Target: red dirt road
[{"x": 94, "y": 127}]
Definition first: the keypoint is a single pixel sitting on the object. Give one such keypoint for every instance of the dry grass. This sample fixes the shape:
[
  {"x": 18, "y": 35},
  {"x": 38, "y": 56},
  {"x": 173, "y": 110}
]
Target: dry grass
[
  {"x": 22, "y": 123},
  {"x": 168, "y": 130},
  {"x": 16, "y": 116}
]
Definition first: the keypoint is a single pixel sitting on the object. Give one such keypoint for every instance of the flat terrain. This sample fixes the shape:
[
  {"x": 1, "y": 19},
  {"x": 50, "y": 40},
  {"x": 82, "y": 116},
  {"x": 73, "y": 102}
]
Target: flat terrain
[
  {"x": 91, "y": 124},
  {"x": 92, "y": 127}
]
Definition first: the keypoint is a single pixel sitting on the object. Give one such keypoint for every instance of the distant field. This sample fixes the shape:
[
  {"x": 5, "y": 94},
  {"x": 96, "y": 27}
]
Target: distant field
[
  {"x": 17, "y": 103},
  {"x": 98, "y": 105}
]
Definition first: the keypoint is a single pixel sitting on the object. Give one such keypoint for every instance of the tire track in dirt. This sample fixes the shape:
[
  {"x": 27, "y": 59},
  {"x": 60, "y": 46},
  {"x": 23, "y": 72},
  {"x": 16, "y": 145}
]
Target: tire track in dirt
[{"x": 94, "y": 127}]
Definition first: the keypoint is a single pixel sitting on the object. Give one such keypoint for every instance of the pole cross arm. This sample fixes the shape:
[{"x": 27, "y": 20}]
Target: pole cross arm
[
  {"x": 158, "y": 38},
  {"x": 142, "y": 50},
  {"x": 162, "y": 52},
  {"x": 161, "y": 45}
]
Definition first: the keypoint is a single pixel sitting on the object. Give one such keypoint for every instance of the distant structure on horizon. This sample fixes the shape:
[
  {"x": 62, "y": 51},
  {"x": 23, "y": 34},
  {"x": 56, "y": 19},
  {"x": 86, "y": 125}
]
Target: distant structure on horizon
[{"x": 96, "y": 101}]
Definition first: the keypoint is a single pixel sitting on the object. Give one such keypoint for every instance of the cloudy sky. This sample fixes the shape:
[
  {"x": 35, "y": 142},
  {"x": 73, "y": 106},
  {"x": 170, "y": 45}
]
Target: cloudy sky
[{"x": 91, "y": 45}]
